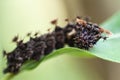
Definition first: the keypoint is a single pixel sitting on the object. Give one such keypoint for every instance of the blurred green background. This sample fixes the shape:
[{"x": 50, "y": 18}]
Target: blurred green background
[{"x": 22, "y": 16}]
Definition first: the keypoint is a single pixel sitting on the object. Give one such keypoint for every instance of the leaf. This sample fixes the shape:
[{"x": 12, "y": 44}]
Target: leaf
[
  {"x": 103, "y": 49},
  {"x": 108, "y": 50}
]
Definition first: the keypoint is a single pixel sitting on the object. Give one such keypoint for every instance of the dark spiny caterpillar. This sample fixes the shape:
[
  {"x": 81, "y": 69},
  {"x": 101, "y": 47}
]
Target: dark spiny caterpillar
[{"x": 80, "y": 33}]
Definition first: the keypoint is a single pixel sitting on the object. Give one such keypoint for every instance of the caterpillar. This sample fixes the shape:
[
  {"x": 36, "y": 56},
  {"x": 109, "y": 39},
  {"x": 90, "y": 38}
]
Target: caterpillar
[{"x": 80, "y": 33}]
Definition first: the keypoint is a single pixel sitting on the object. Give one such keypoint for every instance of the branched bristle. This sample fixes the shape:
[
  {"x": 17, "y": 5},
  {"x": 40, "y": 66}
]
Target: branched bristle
[
  {"x": 4, "y": 53},
  {"x": 29, "y": 34},
  {"x": 15, "y": 39},
  {"x": 54, "y": 22}
]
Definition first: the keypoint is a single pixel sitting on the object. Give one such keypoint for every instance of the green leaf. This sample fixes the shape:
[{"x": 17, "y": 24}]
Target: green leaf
[{"x": 108, "y": 50}]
